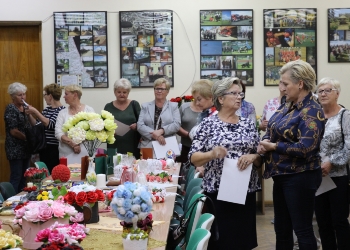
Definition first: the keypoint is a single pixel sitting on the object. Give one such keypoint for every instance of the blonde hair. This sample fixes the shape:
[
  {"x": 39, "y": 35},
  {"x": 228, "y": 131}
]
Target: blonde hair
[
  {"x": 301, "y": 71},
  {"x": 203, "y": 88},
  {"x": 74, "y": 89},
  {"x": 220, "y": 87},
  {"x": 327, "y": 80},
  {"x": 55, "y": 90},
  {"x": 160, "y": 81}
]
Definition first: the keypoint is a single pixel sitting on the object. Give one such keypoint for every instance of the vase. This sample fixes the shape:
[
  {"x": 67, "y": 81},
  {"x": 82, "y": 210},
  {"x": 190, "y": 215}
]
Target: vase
[
  {"x": 90, "y": 213},
  {"x": 91, "y": 174},
  {"x": 140, "y": 244},
  {"x": 29, "y": 231},
  {"x": 37, "y": 183}
]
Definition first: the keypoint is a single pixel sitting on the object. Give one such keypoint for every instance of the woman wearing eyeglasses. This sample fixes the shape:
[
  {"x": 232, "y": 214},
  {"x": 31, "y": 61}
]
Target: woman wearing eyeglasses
[
  {"x": 52, "y": 96},
  {"x": 291, "y": 146},
  {"x": 159, "y": 118},
  {"x": 332, "y": 207},
  {"x": 227, "y": 135}
]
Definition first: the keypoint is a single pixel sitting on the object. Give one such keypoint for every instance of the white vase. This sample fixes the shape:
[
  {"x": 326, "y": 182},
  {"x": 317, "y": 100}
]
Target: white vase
[{"x": 91, "y": 174}]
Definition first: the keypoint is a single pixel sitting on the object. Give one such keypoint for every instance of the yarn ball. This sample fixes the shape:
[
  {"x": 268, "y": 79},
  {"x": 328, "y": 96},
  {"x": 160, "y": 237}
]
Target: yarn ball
[
  {"x": 170, "y": 154},
  {"x": 60, "y": 172}
]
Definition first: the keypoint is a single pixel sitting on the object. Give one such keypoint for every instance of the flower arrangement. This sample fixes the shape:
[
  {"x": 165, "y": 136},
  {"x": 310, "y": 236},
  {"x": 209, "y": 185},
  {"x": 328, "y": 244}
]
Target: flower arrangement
[
  {"x": 109, "y": 197},
  {"x": 62, "y": 233},
  {"x": 188, "y": 98},
  {"x": 179, "y": 100},
  {"x": 158, "y": 195},
  {"x": 160, "y": 177},
  {"x": 29, "y": 189},
  {"x": 57, "y": 246},
  {"x": 82, "y": 194},
  {"x": 9, "y": 240},
  {"x": 42, "y": 196},
  {"x": 91, "y": 129},
  {"x": 36, "y": 173},
  {"x": 42, "y": 211}
]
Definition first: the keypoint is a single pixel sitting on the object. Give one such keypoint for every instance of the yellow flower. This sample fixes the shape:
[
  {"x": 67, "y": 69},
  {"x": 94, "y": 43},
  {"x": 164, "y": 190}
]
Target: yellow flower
[
  {"x": 258, "y": 117},
  {"x": 45, "y": 193},
  {"x": 101, "y": 136},
  {"x": 90, "y": 135},
  {"x": 12, "y": 242},
  {"x": 45, "y": 197},
  {"x": 39, "y": 197},
  {"x": 110, "y": 125},
  {"x": 84, "y": 125},
  {"x": 107, "y": 115},
  {"x": 3, "y": 243}
]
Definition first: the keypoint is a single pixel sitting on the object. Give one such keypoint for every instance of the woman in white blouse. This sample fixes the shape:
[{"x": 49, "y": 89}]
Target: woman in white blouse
[
  {"x": 67, "y": 148},
  {"x": 332, "y": 207}
]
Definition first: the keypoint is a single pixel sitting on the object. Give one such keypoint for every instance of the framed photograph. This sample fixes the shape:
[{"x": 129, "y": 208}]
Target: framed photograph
[
  {"x": 147, "y": 48},
  {"x": 338, "y": 35},
  {"x": 289, "y": 35},
  {"x": 81, "y": 48},
  {"x": 227, "y": 44}
]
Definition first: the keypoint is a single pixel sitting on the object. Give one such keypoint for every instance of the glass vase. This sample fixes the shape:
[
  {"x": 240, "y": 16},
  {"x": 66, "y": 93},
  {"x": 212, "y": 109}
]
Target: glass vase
[{"x": 91, "y": 174}]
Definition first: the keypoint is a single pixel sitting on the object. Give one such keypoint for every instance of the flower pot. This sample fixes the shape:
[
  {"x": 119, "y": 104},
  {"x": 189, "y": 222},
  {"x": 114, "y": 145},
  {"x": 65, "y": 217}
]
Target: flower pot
[
  {"x": 30, "y": 229},
  {"x": 135, "y": 244},
  {"x": 90, "y": 213}
]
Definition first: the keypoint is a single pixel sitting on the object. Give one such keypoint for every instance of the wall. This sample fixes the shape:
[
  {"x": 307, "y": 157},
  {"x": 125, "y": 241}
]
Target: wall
[{"x": 186, "y": 42}]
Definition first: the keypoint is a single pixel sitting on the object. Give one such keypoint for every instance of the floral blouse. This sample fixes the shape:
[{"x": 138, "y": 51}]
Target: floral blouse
[
  {"x": 271, "y": 105},
  {"x": 297, "y": 131},
  {"x": 333, "y": 148},
  {"x": 247, "y": 110},
  {"x": 239, "y": 139}
]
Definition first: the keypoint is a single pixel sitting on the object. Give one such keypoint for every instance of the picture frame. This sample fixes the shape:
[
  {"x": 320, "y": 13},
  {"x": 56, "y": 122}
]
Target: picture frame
[
  {"x": 81, "y": 52},
  {"x": 289, "y": 34},
  {"x": 146, "y": 47},
  {"x": 226, "y": 44},
  {"x": 339, "y": 35}
]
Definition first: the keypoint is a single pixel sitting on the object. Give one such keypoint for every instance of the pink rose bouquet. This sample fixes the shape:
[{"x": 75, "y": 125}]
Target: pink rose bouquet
[
  {"x": 62, "y": 233},
  {"x": 42, "y": 211}
]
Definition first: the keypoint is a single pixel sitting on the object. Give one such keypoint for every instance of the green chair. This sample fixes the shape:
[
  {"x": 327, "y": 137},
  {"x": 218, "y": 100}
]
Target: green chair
[
  {"x": 193, "y": 183},
  {"x": 199, "y": 240},
  {"x": 205, "y": 221},
  {"x": 41, "y": 165},
  {"x": 190, "y": 175},
  {"x": 1, "y": 198},
  {"x": 7, "y": 190}
]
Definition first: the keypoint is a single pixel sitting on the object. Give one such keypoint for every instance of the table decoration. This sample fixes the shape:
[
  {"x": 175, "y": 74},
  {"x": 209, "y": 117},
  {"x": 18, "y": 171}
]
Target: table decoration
[
  {"x": 34, "y": 216},
  {"x": 9, "y": 240},
  {"x": 132, "y": 204},
  {"x": 158, "y": 195},
  {"x": 60, "y": 173},
  {"x": 84, "y": 198},
  {"x": 36, "y": 175},
  {"x": 161, "y": 177}
]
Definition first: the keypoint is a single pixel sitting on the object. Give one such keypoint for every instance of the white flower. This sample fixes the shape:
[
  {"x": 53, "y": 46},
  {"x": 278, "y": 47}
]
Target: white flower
[
  {"x": 82, "y": 188},
  {"x": 97, "y": 124},
  {"x": 77, "y": 134},
  {"x": 120, "y": 202},
  {"x": 137, "y": 192},
  {"x": 142, "y": 215},
  {"x": 135, "y": 218},
  {"x": 121, "y": 210},
  {"x": 136, "y": 208}
]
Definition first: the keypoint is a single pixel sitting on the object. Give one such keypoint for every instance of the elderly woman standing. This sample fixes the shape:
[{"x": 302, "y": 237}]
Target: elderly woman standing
[
  {"x": 52, "y": 96},
  {"x": 332, "y": 207},
  {"x": 126, "y": 111},
  {"x": 159, "y": 118},
  {"x": 67, "y": 148},
  {"x": 226, "y": 135},
  {"x": 16, "y": 121},
  {"x": 291, "y": 146}
]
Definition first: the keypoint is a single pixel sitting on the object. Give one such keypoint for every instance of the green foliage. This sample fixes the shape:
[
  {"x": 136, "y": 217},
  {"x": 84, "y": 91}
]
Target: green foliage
[{"x": 59, "y": 192}]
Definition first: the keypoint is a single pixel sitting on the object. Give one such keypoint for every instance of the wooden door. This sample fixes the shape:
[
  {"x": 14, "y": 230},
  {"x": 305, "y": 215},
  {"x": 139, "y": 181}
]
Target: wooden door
[{"x": 20, "y": 61}]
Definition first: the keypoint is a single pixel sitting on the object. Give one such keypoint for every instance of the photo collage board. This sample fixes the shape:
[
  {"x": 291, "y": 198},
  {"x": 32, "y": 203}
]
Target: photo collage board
[
  {"x": 227, "y": 45},
  {"x": 338, "y": 35},
  {"x": 81, "y": 48},
  {"x": 146, "y": 52},
  {"x": 289, "y": 35}
]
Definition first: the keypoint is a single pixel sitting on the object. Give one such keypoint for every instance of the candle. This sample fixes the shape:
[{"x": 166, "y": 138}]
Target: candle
[
  {"x": 100, "y": 181},
  {"x": 63, "y": 160},
  {"x": 30, "y": 184}
]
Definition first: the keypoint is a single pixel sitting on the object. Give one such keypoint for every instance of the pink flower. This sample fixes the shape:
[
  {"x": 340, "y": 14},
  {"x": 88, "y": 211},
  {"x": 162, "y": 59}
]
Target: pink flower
[
  {"x": 58, "y": 210},
  {"x": 77, "y": 218},
  {"x": 32, "y": 215},
  {"x": 165, "y": 179},
  {"x": 158, "y": 179},
  {"x": 55, "y": 236},
  {"x": 152, "y": 178},
  {"x": 70, "y": 210},
  {"x": 43, "y": 235},
  {"x": 20, "y": 212}
]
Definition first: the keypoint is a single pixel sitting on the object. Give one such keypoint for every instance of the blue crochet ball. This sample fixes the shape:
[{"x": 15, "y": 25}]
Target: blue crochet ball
[{"x": 170, "y": 154}]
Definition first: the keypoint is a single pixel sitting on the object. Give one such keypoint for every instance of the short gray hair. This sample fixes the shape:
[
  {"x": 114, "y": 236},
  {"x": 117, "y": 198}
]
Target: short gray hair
[
  {"x": 122, "y": 83},
  {"x": 300, "y": 70},
  {"x": 16, "y": 87},
  {"x": 327, "y": 80},
  {"x": 220, "y": 87},
  {"x": 160, "y": 81}
]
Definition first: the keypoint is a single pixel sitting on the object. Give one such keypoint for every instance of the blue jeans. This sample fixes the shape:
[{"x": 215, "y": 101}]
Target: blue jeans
[
  {"x": 294, "y": 201},
  {"x": 332, "y": 211},
  {"x": 18, "y": 167}
]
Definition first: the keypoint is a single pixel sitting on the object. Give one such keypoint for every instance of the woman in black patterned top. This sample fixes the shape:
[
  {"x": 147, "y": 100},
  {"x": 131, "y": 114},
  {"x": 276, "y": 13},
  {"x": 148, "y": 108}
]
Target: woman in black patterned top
[
  {"x": 16, "y": 146},
  {"x": 52, "y": 96}
]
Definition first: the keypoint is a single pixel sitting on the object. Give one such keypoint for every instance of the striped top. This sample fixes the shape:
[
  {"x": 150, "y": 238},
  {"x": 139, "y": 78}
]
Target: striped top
[{"x": 52, "y": 114}]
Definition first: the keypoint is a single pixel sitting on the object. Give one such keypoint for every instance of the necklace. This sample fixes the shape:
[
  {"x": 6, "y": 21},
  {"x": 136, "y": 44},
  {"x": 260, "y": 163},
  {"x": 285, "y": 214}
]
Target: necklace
[{"x": 75, "y": 111}]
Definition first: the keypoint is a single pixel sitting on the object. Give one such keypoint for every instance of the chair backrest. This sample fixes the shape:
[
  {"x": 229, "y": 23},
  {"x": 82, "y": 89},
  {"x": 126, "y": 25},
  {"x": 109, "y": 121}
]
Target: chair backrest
[
  {"x": 1, "y": 198},
  {"x": 193, "y": 183},
  {"x": 40, "y": 165},
  {"x": 205, "y": 221},
  {"x": 7, "y": 190},
  {"x": 194, "y": 216},
  {"x": 190, "y": 175},
  {"x": 194, "y": 190},
  {"x": 199, "y": 240}
]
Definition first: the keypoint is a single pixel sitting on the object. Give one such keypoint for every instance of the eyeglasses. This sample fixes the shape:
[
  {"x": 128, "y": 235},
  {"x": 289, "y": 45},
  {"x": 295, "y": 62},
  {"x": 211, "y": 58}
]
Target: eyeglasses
[
  {"x": 160, "y": 89},
  {"x": 326, "y": 91},
  {"x": 235, "y": 94}
]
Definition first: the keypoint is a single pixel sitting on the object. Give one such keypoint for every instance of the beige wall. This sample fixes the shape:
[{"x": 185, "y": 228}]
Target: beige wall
[{"x": 186, "y": 42}]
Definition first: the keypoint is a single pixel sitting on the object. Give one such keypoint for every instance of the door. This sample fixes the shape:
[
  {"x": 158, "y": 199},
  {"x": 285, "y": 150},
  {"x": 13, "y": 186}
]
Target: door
[{"x": 20, "y": 61}]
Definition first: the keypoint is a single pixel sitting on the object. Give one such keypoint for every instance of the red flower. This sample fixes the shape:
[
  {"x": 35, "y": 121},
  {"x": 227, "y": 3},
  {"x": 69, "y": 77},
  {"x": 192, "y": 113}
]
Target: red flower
[
  {"x": 81, "y": 198},
  {"x": 91, "y": 197},
  {"x": 110, "y": 195},
  {"x": 100, "y": 195},
  {"x": 20, "y": 205},
  {"x": 70, "y": 198}
]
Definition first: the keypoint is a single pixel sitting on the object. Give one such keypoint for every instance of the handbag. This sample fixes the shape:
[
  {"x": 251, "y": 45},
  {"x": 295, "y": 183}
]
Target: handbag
[
  {"x": 347, "y": 165},
  {"x": 36, "y": 138}
]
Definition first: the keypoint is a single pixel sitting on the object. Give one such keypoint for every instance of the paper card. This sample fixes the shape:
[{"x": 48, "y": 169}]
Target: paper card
[
  {"x": 170, "y": 144},
  {"x": 326, "y": 185},
  {"x": 122, "y": 128},
  {"x": 234, "y": 182},
  {"x": 269, "y": 114}
]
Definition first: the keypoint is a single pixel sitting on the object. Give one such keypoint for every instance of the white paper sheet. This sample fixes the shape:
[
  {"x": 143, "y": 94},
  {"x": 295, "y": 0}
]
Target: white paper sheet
[
  {"x": 234, "y": 182},
  {"x": 269, "y": 114},
  {"x": 170, "y": 143},
  {"x": 122, "y": 128},
  {"x": 326, "y": 185}
]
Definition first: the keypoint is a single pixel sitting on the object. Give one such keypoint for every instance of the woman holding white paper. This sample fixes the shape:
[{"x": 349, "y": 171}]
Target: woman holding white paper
[
  {"x": 226, "y": 135},
  {"x": 332, "y": 207},
  {"x": 159, "y": 118}
]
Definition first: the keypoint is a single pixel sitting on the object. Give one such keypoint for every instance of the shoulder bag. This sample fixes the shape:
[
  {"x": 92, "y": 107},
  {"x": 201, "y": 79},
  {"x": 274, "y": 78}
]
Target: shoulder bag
[
  {"x": 36, "y": 138},
  {"x": 347, "y": 165}
]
